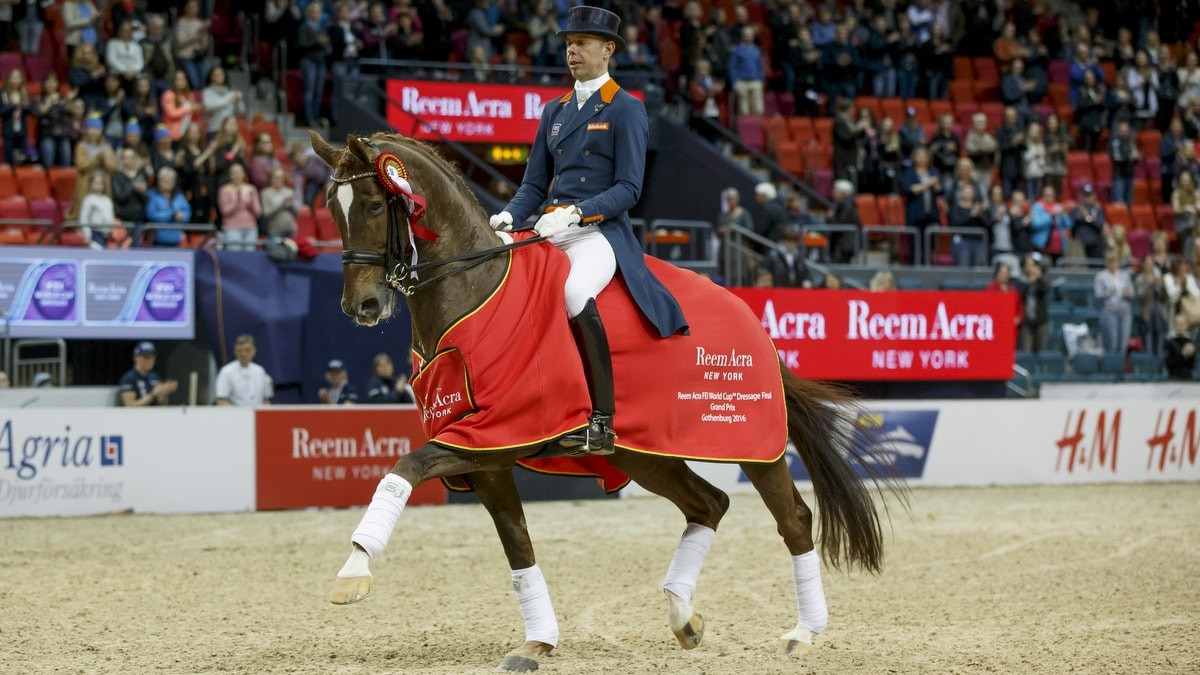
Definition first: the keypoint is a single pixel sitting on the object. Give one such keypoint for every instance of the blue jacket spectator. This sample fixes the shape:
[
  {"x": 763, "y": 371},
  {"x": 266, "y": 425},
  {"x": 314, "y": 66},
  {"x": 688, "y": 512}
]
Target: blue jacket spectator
[
  {"x": 1044, "y": 216},
  {"x": 1084, "y": 61},
  {"x": 167, "y": 205},
  {"x": 746, "y": 63}
]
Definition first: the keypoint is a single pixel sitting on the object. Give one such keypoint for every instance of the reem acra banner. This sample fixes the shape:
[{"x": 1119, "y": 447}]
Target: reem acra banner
[
  {"x": 469, "y": 112},
  {"x": 903, "y": 335}
]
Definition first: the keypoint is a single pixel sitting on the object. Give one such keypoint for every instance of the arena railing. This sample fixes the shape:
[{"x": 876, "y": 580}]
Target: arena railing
[
  {"x": 822, "y": 241},
  {"x": 932, "y": 233},
  {"x": 135, "y": 230},
  {"x": 741, "y": 253},
  {"x": 894, "y": 234},
  {"x": 686, "y": 243}
]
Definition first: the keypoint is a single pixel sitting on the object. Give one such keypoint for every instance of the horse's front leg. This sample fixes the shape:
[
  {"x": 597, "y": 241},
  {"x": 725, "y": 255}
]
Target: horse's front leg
[
  {"x": 497, "y": 491},
  {"x": 373, "y": 531}
]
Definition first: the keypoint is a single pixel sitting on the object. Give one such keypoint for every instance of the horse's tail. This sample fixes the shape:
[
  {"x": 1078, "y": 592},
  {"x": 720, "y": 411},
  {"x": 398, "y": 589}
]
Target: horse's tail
[{"x": 822, "y": 420}]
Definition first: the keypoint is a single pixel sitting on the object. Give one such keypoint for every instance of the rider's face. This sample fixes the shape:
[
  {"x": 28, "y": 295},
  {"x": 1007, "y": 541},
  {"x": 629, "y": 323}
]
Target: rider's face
[{"x": 588, "y": 55}]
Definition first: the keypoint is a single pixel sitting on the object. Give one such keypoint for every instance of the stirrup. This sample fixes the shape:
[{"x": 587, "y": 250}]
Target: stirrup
[{"x": 597, "y": 438}]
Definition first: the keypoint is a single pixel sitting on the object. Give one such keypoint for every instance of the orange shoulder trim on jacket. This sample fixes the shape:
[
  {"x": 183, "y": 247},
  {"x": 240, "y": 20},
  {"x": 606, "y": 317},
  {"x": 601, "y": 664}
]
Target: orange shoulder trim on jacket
[
  {"x": 566, "y": 97},
  {"x": 608, "y": 90}
]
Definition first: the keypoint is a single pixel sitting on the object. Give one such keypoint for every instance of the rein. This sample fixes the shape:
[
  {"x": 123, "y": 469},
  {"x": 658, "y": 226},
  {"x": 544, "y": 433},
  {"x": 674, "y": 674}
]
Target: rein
[{"x": 402, "y": 275}]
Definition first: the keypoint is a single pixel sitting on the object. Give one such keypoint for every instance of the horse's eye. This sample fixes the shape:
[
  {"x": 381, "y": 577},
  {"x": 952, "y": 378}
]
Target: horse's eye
[{"x": 376, "y": 208}]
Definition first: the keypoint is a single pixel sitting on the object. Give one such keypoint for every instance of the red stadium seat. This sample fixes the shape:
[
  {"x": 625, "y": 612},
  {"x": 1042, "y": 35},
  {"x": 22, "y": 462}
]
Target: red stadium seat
[
  {"x": 823, "y": 126},
  {"x": 822, "y": 181},
  {"x": 892, "y": 209},
  {"x": 962, "y": 91},
  {"x": 787, "y": 104},
  {"x": 1165, "y": 215},
  {"x": 1142, "y": 216},
  {"x": 800, "y": 129},
  {"x": 1143, "y": 191},
  {"x": 1148, "y": 142},
  {"x": 326, "y": 227},
  {"x": 871, "y": 103},
  {"x": 775, "y": 131},
  {"x": 45, "y": 209},
  {"x": 1102, "y": 167},
  {"x": 868, "y": 209},
  {"x": 939, "y": 107},
  {"x": 963, "y": 111},
  {"x": 1079, "y": 166},
  {"x": 33, "y": 182},
  {"x": 817, "y": 156},
  {"x": 15, "y": 207},
  {"x": 994, "y": 112},
  {"x": 62, "y": 182},
  {"x": 770, "y": 103},
  {"x": 1060, "y": 93},
  {"x": 8, "y": 180},
  {"x": 986, "y": 70},
  {"x": 789, "y": 157},
  {"x": 1139, "y": 243},
  {"x": 962, "y": 68},
  {"x": 306, "y": 224},
  {"x": 1116, "y": 213},
  {"x": 922, "y": 107},
  {"x": 987, "y": 91},
  {"x": 1058, "y": 72}
]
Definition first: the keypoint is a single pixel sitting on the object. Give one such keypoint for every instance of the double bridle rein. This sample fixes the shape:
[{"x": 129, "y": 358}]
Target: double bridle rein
[{"x": 404, "y": 275}]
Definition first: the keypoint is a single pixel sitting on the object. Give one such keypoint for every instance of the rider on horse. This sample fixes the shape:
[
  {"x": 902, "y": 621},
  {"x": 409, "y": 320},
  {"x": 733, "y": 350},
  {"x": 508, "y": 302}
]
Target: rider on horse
[{"x": 586, "y": 168}]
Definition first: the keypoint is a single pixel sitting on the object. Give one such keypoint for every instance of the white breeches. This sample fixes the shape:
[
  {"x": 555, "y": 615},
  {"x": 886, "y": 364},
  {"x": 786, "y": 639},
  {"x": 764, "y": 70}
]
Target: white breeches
[{"x": 593, "y": 264}]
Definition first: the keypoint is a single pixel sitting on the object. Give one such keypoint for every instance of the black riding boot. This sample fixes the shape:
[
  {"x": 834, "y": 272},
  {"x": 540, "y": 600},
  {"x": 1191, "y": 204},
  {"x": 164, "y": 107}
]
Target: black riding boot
[{"x": 598, "y": 437}]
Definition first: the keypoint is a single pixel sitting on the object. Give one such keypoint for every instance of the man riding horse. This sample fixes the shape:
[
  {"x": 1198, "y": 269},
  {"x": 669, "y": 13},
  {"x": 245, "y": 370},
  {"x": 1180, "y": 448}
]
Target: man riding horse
[{"x": 585, "y": 171}]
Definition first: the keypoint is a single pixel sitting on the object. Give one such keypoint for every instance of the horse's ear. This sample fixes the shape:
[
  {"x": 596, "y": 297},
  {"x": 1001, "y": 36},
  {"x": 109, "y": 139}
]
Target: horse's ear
[
  {"x": 322, "y": 147},
  {"x": 359, "y": 149}
]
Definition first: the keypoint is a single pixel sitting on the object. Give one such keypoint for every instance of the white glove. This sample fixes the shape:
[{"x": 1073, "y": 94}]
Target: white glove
[
  {"x": 556, "y": 221},
  {"x": 501, "y": 221}
]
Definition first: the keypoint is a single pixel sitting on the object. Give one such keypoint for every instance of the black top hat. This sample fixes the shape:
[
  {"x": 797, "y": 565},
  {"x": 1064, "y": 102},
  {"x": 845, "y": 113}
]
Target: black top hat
[{"x": 594, "y": 21}]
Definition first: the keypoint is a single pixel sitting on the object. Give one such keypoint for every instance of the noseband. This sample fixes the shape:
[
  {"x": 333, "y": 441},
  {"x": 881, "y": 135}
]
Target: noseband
[{"x": 404, "y": 275}]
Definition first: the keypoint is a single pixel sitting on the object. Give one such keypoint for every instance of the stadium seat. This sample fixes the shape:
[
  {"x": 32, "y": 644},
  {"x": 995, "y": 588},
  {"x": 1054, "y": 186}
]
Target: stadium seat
[
  {"x": 788, "y": 156},
  {"x": 891, "y": 207},
  {"x": 10, "y": 61},
  {"x": 775, "y": 132},
  {"x": 1143, "y": 191},
  {"x": 1059, "y": 72},
  {"x": 800, "y": 129},
  {"x": 939, "y": 107},
  {"x": 817, "y": 156},
  {"x": 922, "y": 107},
  {"x": 1142, "y": 215},
  {"x": 33, "y": 182},
  {"x": 750, "y": 131},
  {"x": 994, "y": 112},
  {"x": 1139, "y": 243},
  {"x": 985, "y": 69},
  {"x": 1027, "y": 360},
  {"x": 14, "y": 207},
  {"x": 770, "y": 103},
  {"x": 1102, "y": 169},
  {"x": 1146, "y": 367},
  {"x": 62, "y": 182},
  {"x": 45, "y": 208},
  {"x": 868, "y": 209},
  {"x": 326, "y": 227},
  {"x": 893, "y": 108},
  {"x": 1077, "y": 293},
  {"x": 1165, "y": 215},
  {"x": 986, "y": 91},
  {"x": 823, "y": 128},
  {"x": 955, "y": 284},
  {"x": 870, "y": 103},
  {"x": 8, "y": 180},
  {"x": 964, "y": 110},
  {"x": 271, "y": 129},
  {"x": 306, "y": 224},
  {"x": 822, "y": 181},
  {"x": 1148, "y": 141},
  {"x": 1086, "y": 367},
  {"x": 962, "y": 68},
  {"x": 1079, "y": 166},
  {"x": 1117, "y": 213},
  {"x": 1113, "y": 364},
  {"x": 787, "y": 104},
  {"x": 1060, "y": 93},
  {"x": 1051, "y": 364}
]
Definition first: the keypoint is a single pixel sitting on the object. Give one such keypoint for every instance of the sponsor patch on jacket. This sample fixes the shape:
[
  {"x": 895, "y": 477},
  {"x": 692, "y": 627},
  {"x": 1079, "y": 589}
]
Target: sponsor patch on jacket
[
  {"x": 555, "y": 129},
  {"x": 597, "y": 126}
]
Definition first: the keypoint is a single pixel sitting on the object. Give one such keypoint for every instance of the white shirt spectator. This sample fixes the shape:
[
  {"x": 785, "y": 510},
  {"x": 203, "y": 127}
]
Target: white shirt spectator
[
  {"x": 124, "y": 57},
  {"x": 244, "y": 385}
]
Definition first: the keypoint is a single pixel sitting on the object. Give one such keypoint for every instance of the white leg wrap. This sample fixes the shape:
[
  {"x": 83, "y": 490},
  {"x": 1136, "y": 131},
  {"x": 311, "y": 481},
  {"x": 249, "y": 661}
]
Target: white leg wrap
[
  {"x": 810, "y": 596},
  {"x": 357, "y": 565},
  {"x": 689, "y": 559},
  {"x": 533, "y": 596},
  {"x": 376, "y": 526}
]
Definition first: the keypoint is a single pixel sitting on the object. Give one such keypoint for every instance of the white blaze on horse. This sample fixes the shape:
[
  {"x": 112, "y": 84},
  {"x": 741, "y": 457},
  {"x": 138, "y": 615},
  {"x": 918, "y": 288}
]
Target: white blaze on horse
[{"x": 488, "y": 312}]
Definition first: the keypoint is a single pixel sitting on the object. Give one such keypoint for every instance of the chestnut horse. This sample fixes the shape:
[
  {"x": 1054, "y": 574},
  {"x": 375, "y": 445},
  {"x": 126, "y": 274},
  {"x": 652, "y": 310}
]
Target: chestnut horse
[{"x": 460, "y": 267}]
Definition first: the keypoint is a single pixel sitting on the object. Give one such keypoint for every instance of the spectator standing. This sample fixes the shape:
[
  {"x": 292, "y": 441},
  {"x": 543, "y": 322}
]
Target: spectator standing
[
  {"x": 635, "y": 62},
  {"x": 162, "y": 152},
  {"x": 130, "y": 185},
  {"x": 140, "y": 386},
  {"x": 545, "y": 47},
  {"x": 1007, "y": 48},
  {"x": 1085, "y": 61},
  {"x": 1051, "y": 228},
  {"x": 945, "y": 149},
  {"x": 746, "y": 74},
  {"x": 1088, "y": 223},
  {"x": 1090, "y": 110},
  {"x": 1058, "y": 143},
  {"x": 377, "y": 34},
  {"x": 1168, "y": 88},
  {"x": 1010, "y": 138},
  {"x": 1124, "y": 155},
  {"x": 240, "y": 208},
  {"x": 908, "y": 57},
  {"x": 804, "y": 58},
  {"x": 968, "y": 211},
  {"x": 1002, "y": 282},
  {"x": 92, "y": 151},
  {"x": 912, "y": 134},
  {"x": 93, "y": 206},
  {"x": 1168, "y": 150},
  {"x": 839, "y": 67},
  {"x": 876, "y": 53},
  {"x": 846, "y": 135},
  {"x": 220, "y": 101},
  {"x": 1185, "y": 202},
  {"x": 178, "y": 105},
  {"x": 1179, "y": 282},
  {"x": 28, "y": 16},
  {"x": 80, "y": 19},
  {"x": 1151, "y": 295},
  {"x": 242, "y": 382},
  {"x": 733, "y": 214},
  {"x": 1114, "y": 291},
  {"x": 262, "y": 161},
  {"x": 344, "y": 41},
  {"x": 1002, "y": 226},
  {"x": 1021, "y": 222},
  {"x": 311, "y": 175},
  {"x": 1119, "y": 103},
  {"x": 893, "y": 158},
  {"x": 1142, "y": 78},
  {"x": 192, "y": 43},
  {"x": 1180, "y": 352},
  {"x": 166, "y": 205},
  {"x": 482, "y": 29},
  {"x": 141, "y": 106},
  {"x": 197, "y": 172},
  {"x": 227, "y": 148},
  {"x": 937, "y": 61},
  {"x": 86, "y": 75},
  {"x": 921, "y": 185},
  {"x": 845, "y": 212},
  {"x": 1034, "y": 158},
  {"x": 158, "y": 53},
  {"x": 774, "y": 213},
  {"x": 870, "y": 154},
  {"x": 981, "y": 150},
  {"x": 386, "y": 386},
  {"x": 705, "y": 93},
  {"x": 786, "y": 262},
  {"x": 1116, "y": 240},
  {"x": 124, "y": 56},
  {"x": 1189, "y": 79},
  {"x": 312, "y": 43},
  {"x": 340, "y": 391},
  {"x": 15, "y": 108},
  {"x": 54, "y": 143},
  {"x": 278, "y": 206},
  {"x": 1035, "y": 322},
  {"x": 112, "y": 110}
]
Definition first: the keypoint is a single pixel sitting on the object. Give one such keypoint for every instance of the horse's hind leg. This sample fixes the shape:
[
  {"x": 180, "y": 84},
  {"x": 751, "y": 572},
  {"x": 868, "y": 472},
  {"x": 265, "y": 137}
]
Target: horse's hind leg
[
  {"x": 794, "y": 519},
  {"x": 497, "y": 491},
  {"x": 703, "y": 507}
]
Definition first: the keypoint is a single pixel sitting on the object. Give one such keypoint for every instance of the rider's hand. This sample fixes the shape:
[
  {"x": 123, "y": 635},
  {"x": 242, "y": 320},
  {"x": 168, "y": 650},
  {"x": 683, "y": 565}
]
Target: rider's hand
[
  {"x": 556, "y": 221},
  {"x": 501, "y": 221}
]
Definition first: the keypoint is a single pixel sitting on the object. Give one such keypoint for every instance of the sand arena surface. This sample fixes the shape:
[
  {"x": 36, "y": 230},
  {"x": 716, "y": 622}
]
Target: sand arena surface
[{"x": 1096, "y": 579}]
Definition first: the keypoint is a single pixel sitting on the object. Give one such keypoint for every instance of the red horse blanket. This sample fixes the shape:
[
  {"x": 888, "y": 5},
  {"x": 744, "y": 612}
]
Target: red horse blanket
[{"x": 508, "y": 374}]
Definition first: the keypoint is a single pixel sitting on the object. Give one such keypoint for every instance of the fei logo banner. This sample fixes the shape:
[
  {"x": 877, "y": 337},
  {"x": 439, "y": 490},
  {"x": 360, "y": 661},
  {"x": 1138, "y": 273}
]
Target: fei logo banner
[{"x": 900, "y": 439}]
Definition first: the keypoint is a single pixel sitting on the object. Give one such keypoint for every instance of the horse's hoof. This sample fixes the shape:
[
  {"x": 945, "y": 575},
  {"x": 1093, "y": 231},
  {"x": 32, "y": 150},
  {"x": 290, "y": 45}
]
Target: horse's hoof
[
  {"x": 691, "y": 633},
  {"x": 349, "y": 590},
  {"x": 524, "y": 659},
  {"x": 796, "y": 643}
]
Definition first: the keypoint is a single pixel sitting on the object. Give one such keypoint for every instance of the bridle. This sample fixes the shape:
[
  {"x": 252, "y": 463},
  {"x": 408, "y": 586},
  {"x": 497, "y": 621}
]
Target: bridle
[{"x": 404, "y": 274}]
